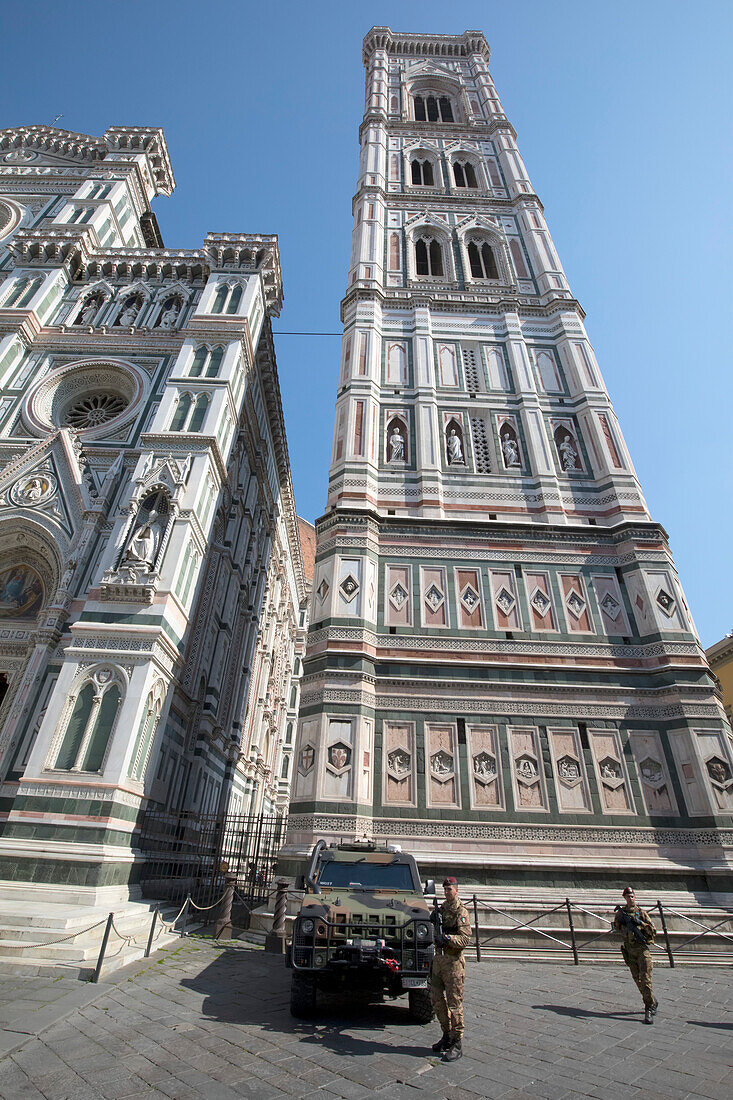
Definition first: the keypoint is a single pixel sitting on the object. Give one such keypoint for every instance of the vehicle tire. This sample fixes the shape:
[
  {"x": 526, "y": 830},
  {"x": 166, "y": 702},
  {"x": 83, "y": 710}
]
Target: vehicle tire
[
  {"x": 421, "y": 1010},
  {"x": 302, "y": 996}
]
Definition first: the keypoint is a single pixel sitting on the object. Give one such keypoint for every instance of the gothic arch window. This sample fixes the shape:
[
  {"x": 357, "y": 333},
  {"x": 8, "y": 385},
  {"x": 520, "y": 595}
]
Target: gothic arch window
[
  {"x": 80, "y": 215},
  {"x": 394, "y": 252},
  {"x": 285, "y": 767},
  {"x": 227, "y": 298},
  {"x": 429, "y": 257},
  {"x": 206, "y": 362},
  {"x": 99, "y": 191},
  {"x": 433, "y": 108},
  {"x": 421, "y": 172},
  {"x": 148, "y": 726},
  {"x": 481, "y": 260},
  {"x": 190, "y": 413},
  {"x": 464, "y": 174},
  {"x": 86, "y": 739},
  {"x": 22, "y": 293}
]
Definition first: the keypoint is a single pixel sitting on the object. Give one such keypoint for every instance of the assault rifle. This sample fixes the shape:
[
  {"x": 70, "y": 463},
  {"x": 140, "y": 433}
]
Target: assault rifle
[
  {"x": 437, "y": 918},
  {"x": 632, "y": 923}
]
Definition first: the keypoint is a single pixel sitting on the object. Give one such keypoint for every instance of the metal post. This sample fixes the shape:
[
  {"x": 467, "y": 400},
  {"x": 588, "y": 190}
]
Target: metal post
[
  {"x": 572, "y": 931},
  {"x": 184, "y": 915},
  {"x": 223, "y": 922},
  {"x": 475, "y": 929},
  {"x": 666, "y": 934},
  {"x": 275, "y": 941},
  {"x": 103, "y": 948},
  {"x": 152, "y": 932}
]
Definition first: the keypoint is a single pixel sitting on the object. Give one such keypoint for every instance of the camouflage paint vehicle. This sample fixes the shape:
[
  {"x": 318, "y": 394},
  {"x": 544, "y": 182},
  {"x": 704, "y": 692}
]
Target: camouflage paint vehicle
[{"x": 364, "y": 925}]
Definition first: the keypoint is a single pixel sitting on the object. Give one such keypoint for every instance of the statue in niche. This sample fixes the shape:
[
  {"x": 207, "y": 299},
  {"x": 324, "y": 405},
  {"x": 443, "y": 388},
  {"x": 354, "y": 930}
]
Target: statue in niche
[
  {"x": 169, "y": 316},
  {"x": 396, "y": 446},
  {"x": 568, "y": 454},
  {"x": 510, "y": 449},
  {"x": 453, "y": 446},
  {"x": 144, "y": 543},
  {"x": 129, "y": 313},
  {"x": 89, "y": 311},
  {"x": 34, "y": 489}
]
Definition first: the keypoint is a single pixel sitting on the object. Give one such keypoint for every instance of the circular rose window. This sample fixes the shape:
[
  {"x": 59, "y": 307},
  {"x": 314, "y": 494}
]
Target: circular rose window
[
  {"x": 96, "y": 409},
  {"x": 90, "y": 397}
]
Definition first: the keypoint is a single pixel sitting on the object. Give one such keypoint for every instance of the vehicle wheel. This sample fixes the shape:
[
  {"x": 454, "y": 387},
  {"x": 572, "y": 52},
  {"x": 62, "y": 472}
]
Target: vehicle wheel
[
  {"x": 302, "y": 996},
  {"x": 421, "y": 1010}
]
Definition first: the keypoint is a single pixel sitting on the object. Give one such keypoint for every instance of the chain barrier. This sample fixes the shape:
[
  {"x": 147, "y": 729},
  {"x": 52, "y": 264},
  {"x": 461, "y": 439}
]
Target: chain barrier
[{"x": 62, "y": 939}]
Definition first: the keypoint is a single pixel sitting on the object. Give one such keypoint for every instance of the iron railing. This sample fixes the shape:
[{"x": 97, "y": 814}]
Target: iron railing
[{"x": 188, "y": 854}]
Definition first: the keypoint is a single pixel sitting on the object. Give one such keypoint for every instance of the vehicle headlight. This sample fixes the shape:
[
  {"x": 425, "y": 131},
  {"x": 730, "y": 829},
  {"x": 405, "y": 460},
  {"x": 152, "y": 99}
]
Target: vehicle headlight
[
  {"x": 320, "y": 960},
  {"x": 307, "y": 926},
  {"x": 422, "y": 931}
]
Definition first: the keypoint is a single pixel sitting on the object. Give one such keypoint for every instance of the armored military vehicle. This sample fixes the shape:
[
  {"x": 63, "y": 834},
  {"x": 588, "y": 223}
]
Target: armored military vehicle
[{"x": 363, "y": 927}]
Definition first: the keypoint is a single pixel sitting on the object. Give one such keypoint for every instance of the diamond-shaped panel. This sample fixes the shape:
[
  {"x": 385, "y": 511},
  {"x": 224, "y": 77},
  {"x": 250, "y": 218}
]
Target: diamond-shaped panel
[
  {"x": 575, "y": 604},
  {"x": 323, "y": 589},
  {"x": 610, "y": 606},
  {"x": 505, "y": 601},
  {"x": 349, "y": 587},
  {"x": 540, "y": 602},
  {"x": 398, "y": 595},
  {"x": 434, "y": 597},
  {"x": 666, "y": 602},
  {"x": 469, "y": 598}
]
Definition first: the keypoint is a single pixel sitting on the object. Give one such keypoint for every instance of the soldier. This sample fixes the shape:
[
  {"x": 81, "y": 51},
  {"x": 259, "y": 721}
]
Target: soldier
[
  {"x": 639, "y": 933},
  {"x": 448, "y": 972}
]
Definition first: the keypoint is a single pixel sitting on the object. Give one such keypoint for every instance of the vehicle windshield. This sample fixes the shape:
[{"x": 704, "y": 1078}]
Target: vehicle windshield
[{"x": 367, "y": 876}]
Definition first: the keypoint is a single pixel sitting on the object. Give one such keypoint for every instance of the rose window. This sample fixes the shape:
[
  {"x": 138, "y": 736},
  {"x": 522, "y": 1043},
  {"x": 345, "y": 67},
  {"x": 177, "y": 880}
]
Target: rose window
[{"x": 94, "y": 409}]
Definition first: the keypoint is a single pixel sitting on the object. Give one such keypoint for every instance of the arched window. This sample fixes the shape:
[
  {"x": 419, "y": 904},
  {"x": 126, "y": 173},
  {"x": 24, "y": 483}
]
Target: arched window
[
  {"x": 15, "y": 293},
  {"x": 422, "y": 173},
  {"x": 199, "y": 412},
  {"x": 464, "y": 174},
  {"x": 482, "y": 261},
  {"x": 206, "y": 361},
  {"x": 394, "y": 252},
  {"x": 431, "y": 108},
  {"x": 428, "y": 257},
  {"x": 227, "y": 298},
  {"x": 22, "y": 293},
  {"x": 285, "y": 767},
  {"x": 30, "y": 292},
  {"x": 85, "y": 743},
  {"x": 180, "y": 416},
  {"x": 80, "y": 215}
]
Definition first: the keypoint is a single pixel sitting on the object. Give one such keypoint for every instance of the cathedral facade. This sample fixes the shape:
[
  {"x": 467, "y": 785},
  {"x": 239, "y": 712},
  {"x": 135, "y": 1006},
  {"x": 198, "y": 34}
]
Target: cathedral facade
[
  {"x": 502, "y": 672},
  {"x": 152, "y": 591}
]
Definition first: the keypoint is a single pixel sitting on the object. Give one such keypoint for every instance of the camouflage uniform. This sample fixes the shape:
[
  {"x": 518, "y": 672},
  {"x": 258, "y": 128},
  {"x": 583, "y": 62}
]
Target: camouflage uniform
[
  {"x": 449, "y": 969},
  {"x": 637, "y": 956}
]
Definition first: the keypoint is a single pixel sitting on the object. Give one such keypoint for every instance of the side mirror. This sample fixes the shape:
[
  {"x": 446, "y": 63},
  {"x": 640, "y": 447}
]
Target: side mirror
[{"x": 429, "y": 886}]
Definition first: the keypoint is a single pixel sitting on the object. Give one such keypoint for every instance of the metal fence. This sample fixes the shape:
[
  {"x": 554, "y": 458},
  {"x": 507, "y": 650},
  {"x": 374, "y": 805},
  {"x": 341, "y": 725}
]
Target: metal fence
[
  {"x": 189, "y": 854},
  {"x": 586, "y": 942}
]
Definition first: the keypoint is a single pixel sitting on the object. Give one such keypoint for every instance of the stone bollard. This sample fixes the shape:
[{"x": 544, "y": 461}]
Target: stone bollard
[
  {"x": 223, "y": 922},
  {"x": 275, "y": 941}
]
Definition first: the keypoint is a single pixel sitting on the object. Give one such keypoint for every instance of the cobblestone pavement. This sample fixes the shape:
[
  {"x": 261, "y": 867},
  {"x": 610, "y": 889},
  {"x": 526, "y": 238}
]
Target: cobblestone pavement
[{"x": 213, "y": 1022}]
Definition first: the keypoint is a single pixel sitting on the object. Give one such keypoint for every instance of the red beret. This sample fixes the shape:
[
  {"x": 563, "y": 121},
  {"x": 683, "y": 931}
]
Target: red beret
[
  {"x": 450, "y": 881},
  {"x": 628, "y": 890}
]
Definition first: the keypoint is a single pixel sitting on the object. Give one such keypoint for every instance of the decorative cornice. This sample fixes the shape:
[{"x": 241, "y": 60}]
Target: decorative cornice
[{"x": 420, "y": 46}]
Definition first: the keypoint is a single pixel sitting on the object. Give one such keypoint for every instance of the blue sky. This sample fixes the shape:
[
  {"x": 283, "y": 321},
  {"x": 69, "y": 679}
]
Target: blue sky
[{"x": 622, "y": 112}]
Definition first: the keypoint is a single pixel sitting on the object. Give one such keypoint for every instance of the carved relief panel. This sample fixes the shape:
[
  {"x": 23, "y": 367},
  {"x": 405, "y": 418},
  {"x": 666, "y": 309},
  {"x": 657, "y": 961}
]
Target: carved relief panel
[
  {"x": 654, "y": 781},
  {"x": 504, "y": 598},
  {"x": 398, "y": 763},
  {"x": 689, "y": 772},
  {"x": 610, "y": 604},
  {"x": 397, "y": 595},
  {"x": 305, "y": 773},
  {"x": 613, "y": 782},
  {"x": 715, "y": 751},
  {"x": 484, "y": 762},
  {"x": 571, "y": 781},
  {"x": 528, "y": 779},
  {"x": 339, "y": 770},
  {"x": 468, "y": 598},
  {"x": 441, "y": 760},
  {"x": 348, "y": 598},
  {"x": 433, "y": 597},
  {"x": 539, "y": 599},
  {"x": 575, "y": 602},
  {"x": 322, "y": 591}
]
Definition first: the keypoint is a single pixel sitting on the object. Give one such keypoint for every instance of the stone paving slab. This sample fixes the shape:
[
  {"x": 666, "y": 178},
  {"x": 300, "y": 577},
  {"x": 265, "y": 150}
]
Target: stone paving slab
[{"x": 213, "y": 1021}]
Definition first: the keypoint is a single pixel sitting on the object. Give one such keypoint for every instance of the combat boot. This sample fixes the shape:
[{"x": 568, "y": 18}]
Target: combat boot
[
  {"x": 453, "y": 1052},
  {"x": 443, "y": 1043},
  {"x": 655, "y": 1006},
  {"x": 649, "y": 1015}
]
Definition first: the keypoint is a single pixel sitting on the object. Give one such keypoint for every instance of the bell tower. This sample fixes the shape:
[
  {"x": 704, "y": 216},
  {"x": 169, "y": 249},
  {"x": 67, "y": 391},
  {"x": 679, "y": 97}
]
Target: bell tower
[{"x": 502, "y": 671}]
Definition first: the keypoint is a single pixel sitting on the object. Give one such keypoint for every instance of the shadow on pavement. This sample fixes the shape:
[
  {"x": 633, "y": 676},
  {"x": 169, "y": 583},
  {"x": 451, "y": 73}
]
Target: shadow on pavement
[
  {"x": 567, "y": 1010},
  {"x": 249, "y": 987},
  {"x": 706, "y": 1023}
]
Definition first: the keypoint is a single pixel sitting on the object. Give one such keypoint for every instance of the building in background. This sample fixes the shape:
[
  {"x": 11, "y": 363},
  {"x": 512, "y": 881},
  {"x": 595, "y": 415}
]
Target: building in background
[
  {"x": 152, "y": 590},
  {"x": 720, "y": 659},
  {"x": 502, "y": 672}
]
